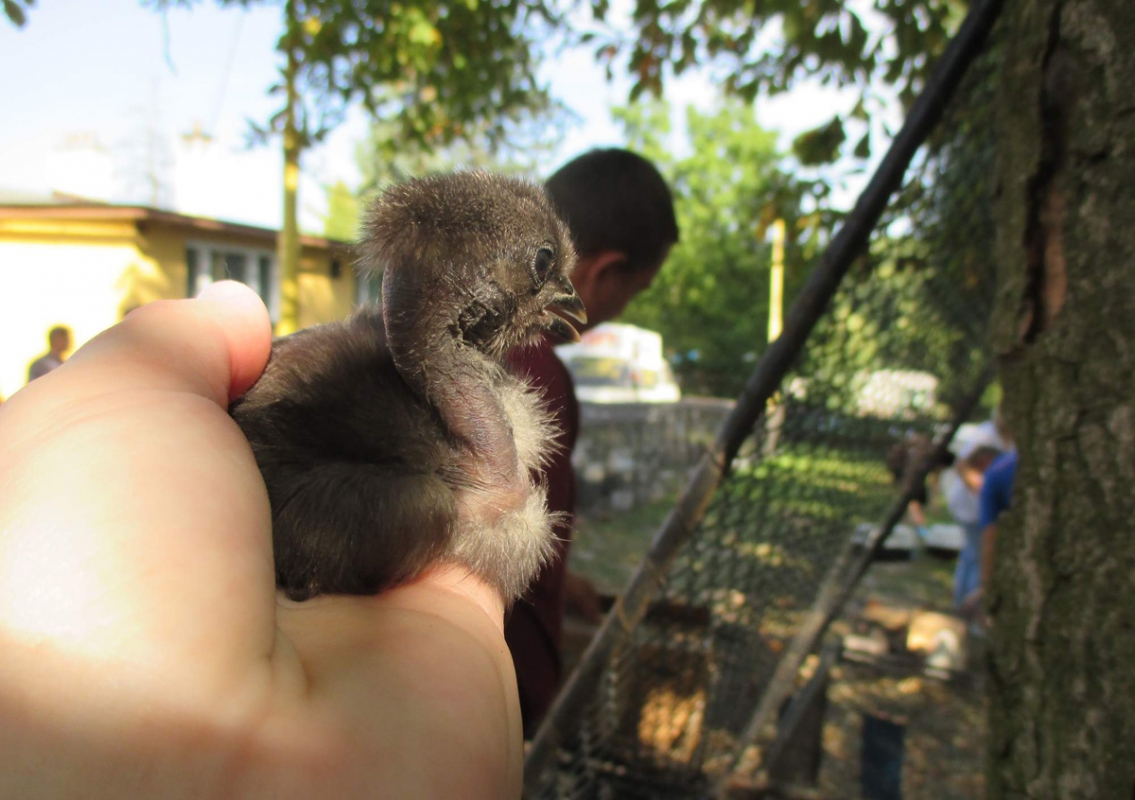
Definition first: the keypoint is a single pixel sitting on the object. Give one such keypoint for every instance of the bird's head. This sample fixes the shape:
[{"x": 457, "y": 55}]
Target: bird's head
[{"x": 481, "y": 258}]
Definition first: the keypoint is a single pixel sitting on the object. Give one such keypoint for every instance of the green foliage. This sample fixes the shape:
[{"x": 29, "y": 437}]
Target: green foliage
[
  {"x": 342, "y": 219},
  {"x": 948, "y": 204},
  {"x": 433, "y": 68},
  {"x": 917, "y": 301},
  {"x": 710, "y": 301},
  {"x": 920, "y": 297},
  {"x": 16, "y": 13},
  {"x": 820, "y": 145},
  {"x": 765, "y": 46}
]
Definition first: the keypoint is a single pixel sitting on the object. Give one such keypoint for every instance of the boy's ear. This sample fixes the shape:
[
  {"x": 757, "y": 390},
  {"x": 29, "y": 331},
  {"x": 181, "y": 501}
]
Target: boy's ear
[{"x": 590, "y": 270}]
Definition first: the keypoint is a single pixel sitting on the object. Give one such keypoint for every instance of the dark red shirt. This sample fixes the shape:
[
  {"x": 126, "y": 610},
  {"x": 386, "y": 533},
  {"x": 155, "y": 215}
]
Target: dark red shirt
[{"x": 533, "y": 627}]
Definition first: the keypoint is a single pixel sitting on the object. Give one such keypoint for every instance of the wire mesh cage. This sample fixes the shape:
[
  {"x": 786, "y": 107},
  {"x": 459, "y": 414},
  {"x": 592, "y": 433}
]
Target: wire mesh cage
[{"x": 897, "y": 354}]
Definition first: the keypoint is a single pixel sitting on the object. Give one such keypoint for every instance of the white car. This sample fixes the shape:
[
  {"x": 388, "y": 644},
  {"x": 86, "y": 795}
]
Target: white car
[{"x": 617, "y": 363}]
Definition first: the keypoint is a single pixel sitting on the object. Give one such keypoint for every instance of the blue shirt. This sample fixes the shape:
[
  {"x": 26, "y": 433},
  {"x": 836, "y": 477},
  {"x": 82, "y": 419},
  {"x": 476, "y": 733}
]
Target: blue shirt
[{"x": 997, "y": 489}]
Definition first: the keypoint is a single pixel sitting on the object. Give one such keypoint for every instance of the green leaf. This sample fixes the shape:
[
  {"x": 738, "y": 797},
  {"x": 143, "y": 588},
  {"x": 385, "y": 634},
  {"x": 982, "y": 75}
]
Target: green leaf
[
  {"x": 820, "y": 145},
  {"x": 822, "y": 39},
  {"x": 15, "y": 13}
]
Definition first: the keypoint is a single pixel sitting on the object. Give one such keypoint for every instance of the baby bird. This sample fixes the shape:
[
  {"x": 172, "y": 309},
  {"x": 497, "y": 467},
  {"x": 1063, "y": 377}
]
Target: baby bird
[{"x": 397, "y": 439}]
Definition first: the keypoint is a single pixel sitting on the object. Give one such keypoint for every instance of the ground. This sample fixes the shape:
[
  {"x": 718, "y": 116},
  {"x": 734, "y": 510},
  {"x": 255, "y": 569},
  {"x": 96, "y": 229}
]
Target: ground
[{"x": 945, "y": 723}]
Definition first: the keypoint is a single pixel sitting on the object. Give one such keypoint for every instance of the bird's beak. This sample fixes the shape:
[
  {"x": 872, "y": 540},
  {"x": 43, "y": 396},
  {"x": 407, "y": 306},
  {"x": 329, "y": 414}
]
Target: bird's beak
[{"x": 566, "y": 305}]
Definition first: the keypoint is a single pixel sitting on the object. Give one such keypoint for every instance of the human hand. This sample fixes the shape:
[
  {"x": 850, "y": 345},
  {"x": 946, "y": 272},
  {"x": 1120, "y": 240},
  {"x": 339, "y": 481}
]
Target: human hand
[
  {"x": 916, "y": 514},
  {"x": 145, "y": 652}
]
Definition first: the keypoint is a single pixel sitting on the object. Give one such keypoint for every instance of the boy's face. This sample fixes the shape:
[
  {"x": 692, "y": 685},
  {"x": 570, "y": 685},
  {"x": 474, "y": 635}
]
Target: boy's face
[{"x": 606, "y": 288}]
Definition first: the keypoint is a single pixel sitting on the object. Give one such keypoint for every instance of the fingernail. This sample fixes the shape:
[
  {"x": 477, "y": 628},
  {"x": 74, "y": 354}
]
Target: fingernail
[{"x": 222, "y": 291}]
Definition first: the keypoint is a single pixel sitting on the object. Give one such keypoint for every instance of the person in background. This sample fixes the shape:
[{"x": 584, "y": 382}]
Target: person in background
[
  {"x": 996, "y": 496},
  {"x": 903, "y": 460},
  {"x": 960, "y": 486},
  {"x": 621, "y": 215},
  {"x": 962, "y": 499},
  {"x": 59, "y": 344}
]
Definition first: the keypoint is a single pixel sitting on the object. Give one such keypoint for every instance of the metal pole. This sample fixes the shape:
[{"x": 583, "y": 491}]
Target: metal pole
[{"x": 680, "y": 524}]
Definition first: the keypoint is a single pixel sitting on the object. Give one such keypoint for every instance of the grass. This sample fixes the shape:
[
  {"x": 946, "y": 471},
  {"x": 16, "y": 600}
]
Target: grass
[
  {"x": 607, "y": 548},
  {"x": 804, "y": 485}
]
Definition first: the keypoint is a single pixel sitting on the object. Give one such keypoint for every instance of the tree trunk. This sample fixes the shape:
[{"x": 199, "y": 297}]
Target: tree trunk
[
  {"x": 288, "y": 246},
  {"x": 1062, "y": 660}
]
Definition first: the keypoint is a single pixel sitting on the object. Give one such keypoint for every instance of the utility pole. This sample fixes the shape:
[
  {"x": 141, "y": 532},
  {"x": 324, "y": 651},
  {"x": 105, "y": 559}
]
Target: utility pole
[
  {"x": 287, "y": 247},
  {"x": 774, "y": 413},
  {"x": 776, "y": 283}
]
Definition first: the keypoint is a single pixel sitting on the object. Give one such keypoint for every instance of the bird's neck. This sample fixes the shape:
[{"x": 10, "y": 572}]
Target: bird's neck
[{"x": 462, "y": 384}]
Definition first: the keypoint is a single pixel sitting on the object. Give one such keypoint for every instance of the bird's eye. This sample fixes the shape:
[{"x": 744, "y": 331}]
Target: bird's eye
[{"x": 543, "y": 263}]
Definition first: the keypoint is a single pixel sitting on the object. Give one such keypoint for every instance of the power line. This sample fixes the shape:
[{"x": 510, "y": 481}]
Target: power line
[{"x": 227, "y": 75}]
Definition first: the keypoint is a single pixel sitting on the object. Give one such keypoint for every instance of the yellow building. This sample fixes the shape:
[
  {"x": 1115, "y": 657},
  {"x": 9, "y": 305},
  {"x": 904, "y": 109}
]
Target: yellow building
[{"x": 87, "y": 265}]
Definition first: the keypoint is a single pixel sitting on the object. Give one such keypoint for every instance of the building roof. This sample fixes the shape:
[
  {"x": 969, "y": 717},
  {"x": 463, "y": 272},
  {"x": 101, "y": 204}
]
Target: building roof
[
  {"x": 11, "y": 195},
  {"x": 93, "y": 212}
]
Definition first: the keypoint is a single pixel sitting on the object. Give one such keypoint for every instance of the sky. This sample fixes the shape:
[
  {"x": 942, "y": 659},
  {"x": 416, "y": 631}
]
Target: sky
[{"x": 87, "y": 84}]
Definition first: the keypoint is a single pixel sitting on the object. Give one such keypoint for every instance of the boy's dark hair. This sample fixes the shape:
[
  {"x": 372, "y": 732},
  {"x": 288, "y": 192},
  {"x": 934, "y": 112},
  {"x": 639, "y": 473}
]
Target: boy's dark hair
[{"x": 613, "y": 199}]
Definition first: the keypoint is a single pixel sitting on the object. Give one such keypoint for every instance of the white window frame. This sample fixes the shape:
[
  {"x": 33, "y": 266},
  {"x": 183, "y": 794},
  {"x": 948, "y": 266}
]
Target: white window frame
[{"x": 206, "y": 251}]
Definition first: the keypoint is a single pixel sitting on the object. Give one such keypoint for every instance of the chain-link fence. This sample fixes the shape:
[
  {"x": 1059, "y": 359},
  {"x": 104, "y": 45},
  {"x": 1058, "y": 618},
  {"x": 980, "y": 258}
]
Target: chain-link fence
[
  {"x": 632, "y": 454},
  {"x": 690, "y": 677}
]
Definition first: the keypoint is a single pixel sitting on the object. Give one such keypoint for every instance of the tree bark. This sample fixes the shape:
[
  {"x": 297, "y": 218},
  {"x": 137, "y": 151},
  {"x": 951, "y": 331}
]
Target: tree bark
[{"x": 1062, "y": 600}]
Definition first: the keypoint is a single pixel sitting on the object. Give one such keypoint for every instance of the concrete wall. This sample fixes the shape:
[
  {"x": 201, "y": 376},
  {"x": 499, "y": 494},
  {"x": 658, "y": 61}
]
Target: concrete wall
[{"x": 630, "y": 454}]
